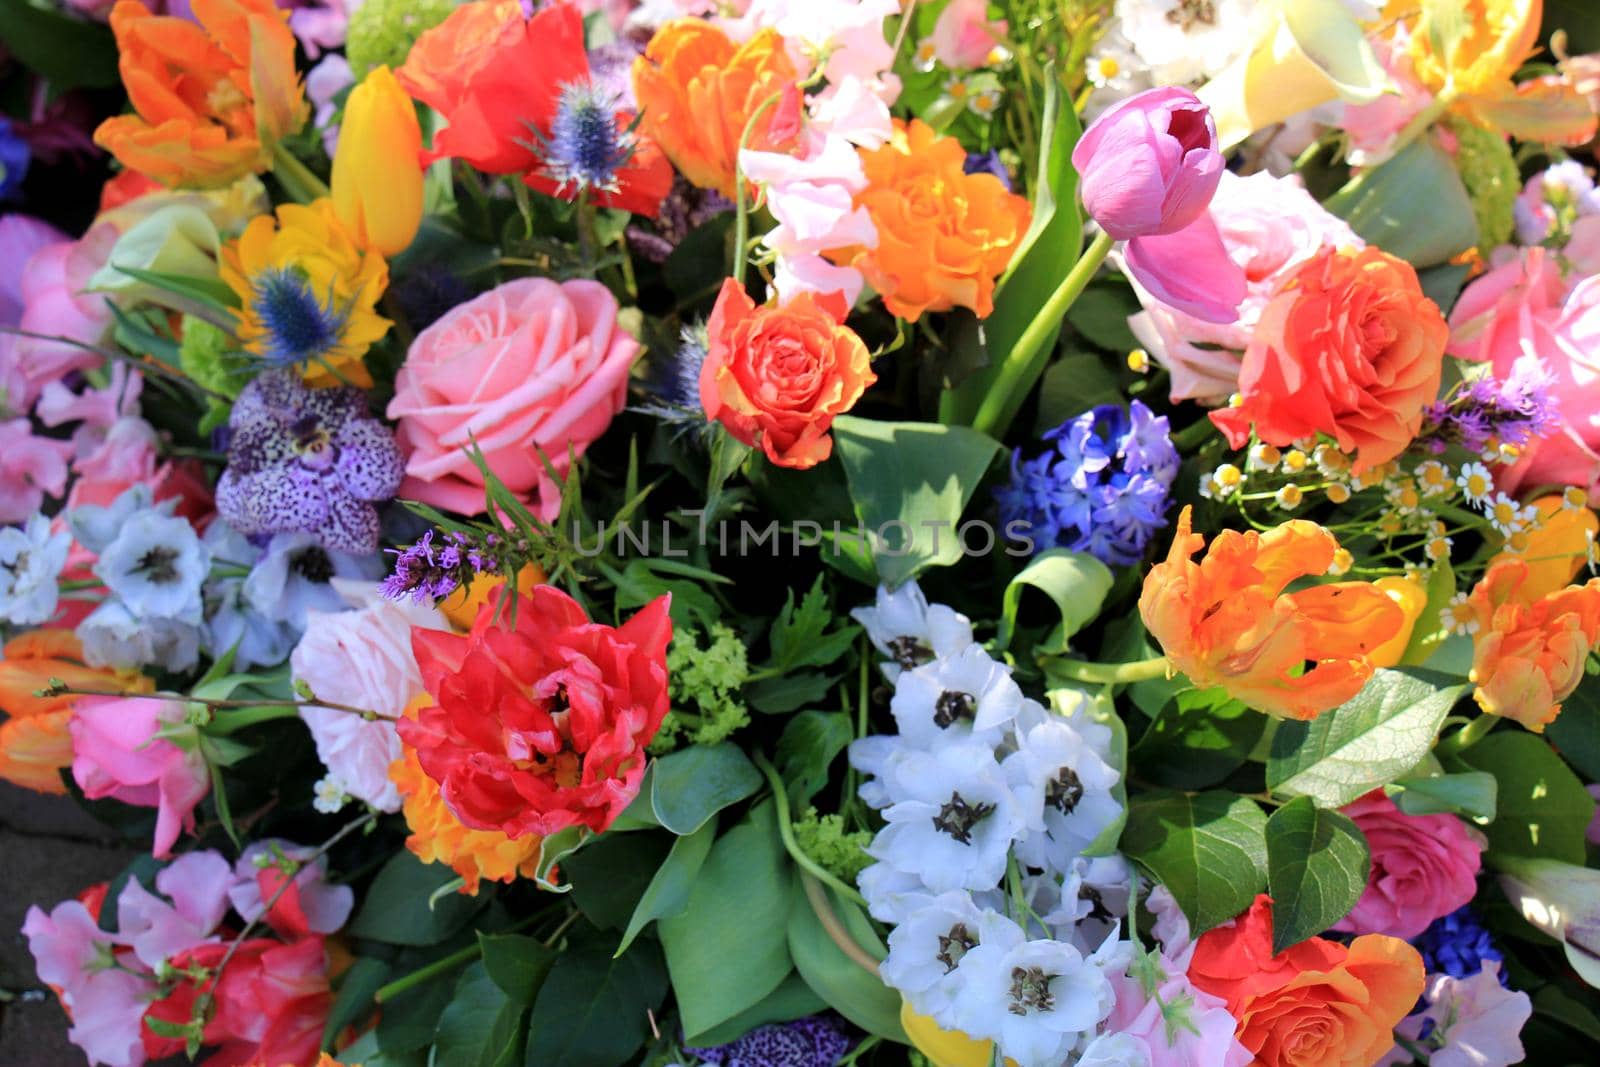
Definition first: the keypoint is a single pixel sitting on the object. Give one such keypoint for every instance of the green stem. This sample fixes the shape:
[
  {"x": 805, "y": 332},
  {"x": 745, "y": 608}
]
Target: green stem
[
  {"x": 446, "y": 964},
  {"x": 1469, "y": 734},
  {"x": 1194, "y": 435},
  {"x": 1111, "y": 673},
  {"x": 231, "y": 722},
  {"x": 296, "y": 178},
  {"x": 741, "y": 206},
  {"x": 818, "y": 899},
  {"x": 780, "y": 797},
  {"x": 1025, "y": 362}
]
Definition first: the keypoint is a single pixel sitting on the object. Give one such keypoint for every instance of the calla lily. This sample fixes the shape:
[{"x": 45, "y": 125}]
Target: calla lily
[
  {"x": 179, "y": 239},
  {"x": 1562, "y": 900},
  {"x": 1309, "y": 53}
]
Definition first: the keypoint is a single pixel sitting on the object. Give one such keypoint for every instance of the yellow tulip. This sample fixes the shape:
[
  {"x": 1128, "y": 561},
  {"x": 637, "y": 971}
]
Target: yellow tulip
[
  {"x": 1412, "y": 597},
  {"x": 377, "y": 170},
  {"x": 945, "y": 1048},
  {"x": 1556, "y": 549}
]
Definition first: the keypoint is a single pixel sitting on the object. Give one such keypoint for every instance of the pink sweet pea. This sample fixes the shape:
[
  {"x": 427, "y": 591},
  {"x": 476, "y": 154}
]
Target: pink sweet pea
[
  {"x": 813, "y": 200},
  {"x": 964, "y": 36},
  {"x": 116, "y": 753},
  {"x": 31, "y": 468},
  {"x": 77, "y": 958},
  {"x": 196, "y": 886},
  {"x": 1423, "y": 867},
  {"x": 1469, "y": 1022},
  {"x": 55, "y": 304},
  {"x": 311, "y": 905},
  {"x": 20, "y": 237},
  {"x": 1195, "y": 1027}
]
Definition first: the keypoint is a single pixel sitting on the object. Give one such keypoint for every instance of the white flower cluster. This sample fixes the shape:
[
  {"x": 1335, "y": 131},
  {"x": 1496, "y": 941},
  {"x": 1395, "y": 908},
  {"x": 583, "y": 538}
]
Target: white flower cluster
[{"x": 1004, "y": 929}]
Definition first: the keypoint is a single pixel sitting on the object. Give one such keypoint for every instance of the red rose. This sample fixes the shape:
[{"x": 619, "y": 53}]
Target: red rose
[{"x": 541, "y": 726}]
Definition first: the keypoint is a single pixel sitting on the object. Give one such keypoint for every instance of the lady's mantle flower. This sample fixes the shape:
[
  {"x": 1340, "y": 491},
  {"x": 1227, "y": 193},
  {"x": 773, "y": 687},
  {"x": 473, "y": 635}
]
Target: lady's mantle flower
[
  {"x": 31, "y": 558},
  {"x": 307, "y": 460},
  {"x": 1102, "y": 487},
  {"x": 307, "y": 293}
]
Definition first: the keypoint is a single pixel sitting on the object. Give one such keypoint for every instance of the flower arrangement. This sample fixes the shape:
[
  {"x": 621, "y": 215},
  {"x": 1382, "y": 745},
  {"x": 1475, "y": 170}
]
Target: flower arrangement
[{"x": 770, "y": 534}]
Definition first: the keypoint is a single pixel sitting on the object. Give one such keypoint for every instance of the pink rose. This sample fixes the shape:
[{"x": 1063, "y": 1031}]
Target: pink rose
[
  {"x": 1523, "y": 306},
  {"x": 1423, "y": 867},
  {"x": 1269, "y": 226},
  {"x": 530, "y": 366},
  {"x": 116, "y": 753}
]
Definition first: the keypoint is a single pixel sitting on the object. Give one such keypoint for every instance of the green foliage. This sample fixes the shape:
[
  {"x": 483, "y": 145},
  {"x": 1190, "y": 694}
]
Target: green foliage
[
  {"x": 209, "y": 355},
  {"x": 1374, "y": 738},
  {"x": 382, "y": 32},
  {"x": 840, "y": 852},
  {"x": 1197, "y": 739},
  {"x": 668, "y": 892},
  {"x": 593, "y": 1009},
  {"x": 397, "y": 908},
  {"x": 1413, "y": 205},
  {"x": 69, "y": 52},
  {"x": 707, "y": 679},
  {"x": 1543, "y": 810},
  {"x": 481, "y": 1026},
  {"x": 1489, "y": 171},
  {"x": 811, "y": 741},
  {"x": 1075, "y": 581},
  {"x": 689, "y": 787},
  {"x": 845, "y": 984},
  {"x": 1209, "y": 849},
  {"x": 1316, "y": 870}
]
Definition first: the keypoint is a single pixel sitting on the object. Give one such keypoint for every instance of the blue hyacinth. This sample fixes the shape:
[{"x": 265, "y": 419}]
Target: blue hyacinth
[
  {"x": 1457, "y": 945},
  {"x": 1101, "y": 487}
]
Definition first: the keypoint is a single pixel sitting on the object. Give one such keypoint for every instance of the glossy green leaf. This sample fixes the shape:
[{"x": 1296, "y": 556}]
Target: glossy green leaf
[
  {"x": 848, "y": 988},
  {"x": 609, "y": 875},
  {"x": 1316, "y": 870},
  {"x": 668, "y": 891},
  {"x": 395, "y": 909},
  {"x": 518, "y": 964},
  {"x": 1543, "y": 811},
  {"x": 471, "y": 1030},
  {"x": 693, "y": 784},
  {"x": 791, "y": 1000},
  {"x": 593, "y": 1009},
  {"x": 1075, "y": 581},
  {"x": 1199, "y": 738},
  {"x": 1209, "y": 849},
  {"x": 809, "y": 744}
]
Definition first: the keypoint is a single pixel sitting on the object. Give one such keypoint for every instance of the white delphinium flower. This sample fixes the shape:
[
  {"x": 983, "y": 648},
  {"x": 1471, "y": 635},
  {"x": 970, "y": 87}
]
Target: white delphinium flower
[
  {"x": 967, "y": 696},
  {"x": 880, "y": 756},
  {"x": 1095, "y": 893},
  {"x": 892, "y": 894},
  {"x": 155, "y": 566},
  {"x": 927, "y": 947},
  {"x": 1034, "y": 999},
  {"x": 31, "y": 558},
  {"x": 904, "y": 627},
  {"x": 231, "y": 621},
  {"x": 113, "y": 636},
  {"x": 95, "y": 527},
  {"x": 1065, "y": 789},
  {"x": 954, "y": 830}
]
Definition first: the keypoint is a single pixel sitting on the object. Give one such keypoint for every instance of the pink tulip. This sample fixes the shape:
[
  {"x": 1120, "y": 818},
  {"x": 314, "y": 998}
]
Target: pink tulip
[
  {"x": 116, "y": 753},
  {"x": 1149, "y": 165},
  {"x": 1189, "y": 270}
]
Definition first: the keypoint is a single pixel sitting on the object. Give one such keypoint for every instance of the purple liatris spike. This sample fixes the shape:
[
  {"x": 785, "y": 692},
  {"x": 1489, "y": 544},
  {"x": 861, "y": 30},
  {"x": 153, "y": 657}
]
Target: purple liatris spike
[
  {"x": 304, "y": 460},
  {"x": 435, "y": 570},
  {"x": 1101, "y": 486}
]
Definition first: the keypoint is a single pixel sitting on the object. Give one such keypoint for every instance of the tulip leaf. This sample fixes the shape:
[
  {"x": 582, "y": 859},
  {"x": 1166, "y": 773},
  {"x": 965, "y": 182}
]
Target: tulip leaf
[
  {"x": 593, "y": 1010},
  {"x": 693, "y": 784},
  {"x": 1413, "y": 205},
  {"x": 1209, "y": 849},
  {"x": 791, "y": 1000},
  {"x": 909, "y": 483},
  {"x": 1372, "y": 739},
  {"x": 668, "y": 891},
  {"x": 724, "y": 958},
  {"x": 847, "y": 986},
  {"x": 610, "y": 874},
  {"x": 1543, "y": 811},
  {"x": 1076, "y": 581},
  {"x": 1317, "y": 863}
]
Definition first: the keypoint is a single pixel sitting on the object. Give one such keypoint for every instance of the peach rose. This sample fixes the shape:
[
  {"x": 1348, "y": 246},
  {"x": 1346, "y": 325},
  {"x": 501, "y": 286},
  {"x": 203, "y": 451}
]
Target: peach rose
[
  {"x": 777, "y": 375},
  {"x": 1315, "y": 1004},
  {"x": 532, "y": 366},
  {"x": 1350, "y": 347}
]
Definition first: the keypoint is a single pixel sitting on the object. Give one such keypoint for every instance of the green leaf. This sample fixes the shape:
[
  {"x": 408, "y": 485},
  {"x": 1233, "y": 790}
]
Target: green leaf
[
  {"x": 1427, "y": 635},
  {"x": 1412, "y": 205},
  {"x": 1073, "y": 384},
  {"x": 206, "y": 298},
  {"x": 1472, "y": 794},
  {"x": 691, "y": 785},
  {"x": 668, "y": 891},
  {"x": 848, "y": 987},
  {"x": 1046, "y": 253},
  {"x": 776, "y": 696},
  {"x": 1543, "y": 809},
  {"x": 518, "y": 964},
  {"x": 396, "y": 909},
  {"x": 1317, "y": 864},
  {"x": 909, "y": 483},
  {"x": 470, "y": 1031},
  {"x": 811, "y": 741},
  {"x": 409, "y": 1020},
  {"x": 67, "y": 52},
  {"x": 1371, "y": 740},
  {"x": 1075, "y": 581},
  {"x": 593, "y": 1009},
  {"x": 723, "y": 957},
  {"x": 1576, "y": 731},
  {"x": 1209, "y": 849},
  {"x": 1101, "y": 315},
  {"x": 800, "y": 636},
  {"x": 792, "y": 999},
  {"x": 1199, "y": 738},
  {"x": 610, "y": 874},
  {"x": 357, "y": 987}
]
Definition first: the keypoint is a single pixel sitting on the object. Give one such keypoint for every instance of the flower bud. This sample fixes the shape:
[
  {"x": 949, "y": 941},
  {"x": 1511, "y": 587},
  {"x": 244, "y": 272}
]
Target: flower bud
[
  {"x": 1150, "y": 165},
  {"x": 377, "y": 170}
]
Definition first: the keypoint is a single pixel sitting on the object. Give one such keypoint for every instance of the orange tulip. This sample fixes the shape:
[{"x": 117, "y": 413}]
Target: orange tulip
[
  {"x": 698, "y": 90},
  {"x": 1226, "y": 621},
  {"x": 1529, "y": 650},
  {"x": 210, "y": 98},
  {"x": 34, "y": 742}
]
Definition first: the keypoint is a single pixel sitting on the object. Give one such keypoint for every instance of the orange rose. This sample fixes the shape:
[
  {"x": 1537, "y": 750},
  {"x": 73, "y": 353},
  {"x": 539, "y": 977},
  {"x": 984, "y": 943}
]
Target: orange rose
[
  {"x": 210, "y": 100},
  {"x": 437, "y": 836},
  {"x": 1556, "y": 549},
  {"x": 779, "y": 375},
  {"x": 34, "y": 742},
  {"x": 1316, "y": 1004},
  {"x": 1350, "y": 347},
  {"x": 697, "y": 91},
  {"x": 1529, "y": 650},
  {"x": 1226, "y": 621},
  {"x": 944, "y": 235}
]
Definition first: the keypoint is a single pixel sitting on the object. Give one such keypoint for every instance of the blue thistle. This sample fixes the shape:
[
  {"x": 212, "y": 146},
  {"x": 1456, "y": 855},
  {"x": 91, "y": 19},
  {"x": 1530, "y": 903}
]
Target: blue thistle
[
  {"x": 585, "y": 148},
  {"x": 298, "y": 326},
  {"x": 673, "y": 385}
]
